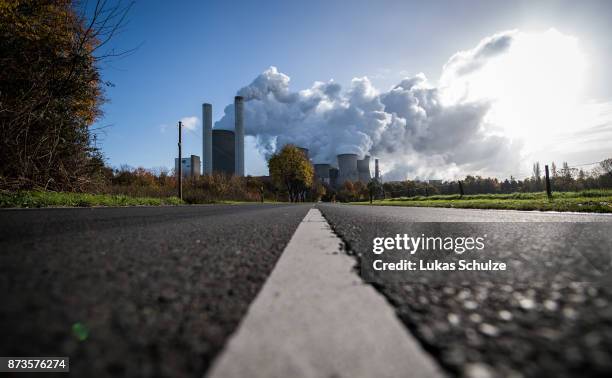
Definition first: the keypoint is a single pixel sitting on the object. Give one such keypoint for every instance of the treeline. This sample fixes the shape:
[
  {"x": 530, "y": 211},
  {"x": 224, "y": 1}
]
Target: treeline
[
  {"x": 162, "y": 183},
  {"x": 565, "y": 179}
]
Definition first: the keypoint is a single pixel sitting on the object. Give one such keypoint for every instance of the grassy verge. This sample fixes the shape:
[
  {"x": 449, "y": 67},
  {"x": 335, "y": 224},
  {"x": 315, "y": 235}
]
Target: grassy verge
[
  {"x": 53, "y": 199},
  {"x": 597, "y": 201}
]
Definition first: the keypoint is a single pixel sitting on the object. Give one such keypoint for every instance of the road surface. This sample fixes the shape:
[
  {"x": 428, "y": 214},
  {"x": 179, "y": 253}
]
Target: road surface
[
  {"x": 150, "y": 291},
  {"x": 159, "y": 291},
  {"x": 555, "y": 328}
]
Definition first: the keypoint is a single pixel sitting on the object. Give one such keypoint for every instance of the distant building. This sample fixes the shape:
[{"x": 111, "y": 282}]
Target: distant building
[
  {"x": 435, "y": 182},
  {"x": 190, "y": 166},
  {"x": 223, "y": 152}
]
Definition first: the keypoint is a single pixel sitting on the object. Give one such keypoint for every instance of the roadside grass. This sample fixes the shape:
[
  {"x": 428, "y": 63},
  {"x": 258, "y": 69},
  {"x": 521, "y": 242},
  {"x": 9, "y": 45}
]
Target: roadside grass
[
  {"x": 596, "y": 201},
  {"x": 36, "y": 199}
]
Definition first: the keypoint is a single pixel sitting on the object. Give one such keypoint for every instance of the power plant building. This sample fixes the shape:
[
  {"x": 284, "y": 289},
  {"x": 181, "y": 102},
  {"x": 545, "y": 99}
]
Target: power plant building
[
  {"x": 322, "y": 172},
  {"x": 350, "y": 168},
  {"x": 333, "y": 177},
  {"x": 347, "y": 166},
  {"x": 363, "y": 169},
  {"x": 190, "y": 166},
  {"x": 223, "y": 150}
]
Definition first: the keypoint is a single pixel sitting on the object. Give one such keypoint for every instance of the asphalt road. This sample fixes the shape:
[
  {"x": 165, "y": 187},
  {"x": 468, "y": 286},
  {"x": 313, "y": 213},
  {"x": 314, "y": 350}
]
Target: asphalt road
[
  {"x": 550, "y": 327},
  {"x": 134, "y": 291}
]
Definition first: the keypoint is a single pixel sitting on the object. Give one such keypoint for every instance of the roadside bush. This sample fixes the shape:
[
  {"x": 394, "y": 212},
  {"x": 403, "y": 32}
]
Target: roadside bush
[
  {"x": 139, "y": 182},
  {"x": 51, "y": 93}
]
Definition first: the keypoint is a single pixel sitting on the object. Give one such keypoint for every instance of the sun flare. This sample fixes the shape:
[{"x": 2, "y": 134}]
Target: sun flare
[{"x": 535, "y": 87}]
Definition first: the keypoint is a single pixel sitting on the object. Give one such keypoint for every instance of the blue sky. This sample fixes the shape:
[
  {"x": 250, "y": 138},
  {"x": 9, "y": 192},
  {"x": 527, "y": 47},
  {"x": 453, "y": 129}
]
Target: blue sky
[{"x": 204, "y": 51}]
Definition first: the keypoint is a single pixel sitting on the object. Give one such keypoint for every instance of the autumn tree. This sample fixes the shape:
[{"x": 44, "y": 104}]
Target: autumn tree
[
  {"x": 318, "y": 191},
  {"x": 374, "y": 189},
  {"x": 606, "y": 166},
  {"x": 291, "y": 170},
  {"x": 51, "y": 91}
]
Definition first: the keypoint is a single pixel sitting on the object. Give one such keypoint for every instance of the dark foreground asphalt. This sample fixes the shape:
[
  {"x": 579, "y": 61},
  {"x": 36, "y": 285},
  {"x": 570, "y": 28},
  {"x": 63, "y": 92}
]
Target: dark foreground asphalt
[
  {"x": 134, "y": 292},
  {"x": 551, "y": 327}
]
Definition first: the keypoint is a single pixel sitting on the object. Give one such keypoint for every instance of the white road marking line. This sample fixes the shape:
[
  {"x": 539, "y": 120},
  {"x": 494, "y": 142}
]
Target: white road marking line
[{"x": 315, "y": 318}]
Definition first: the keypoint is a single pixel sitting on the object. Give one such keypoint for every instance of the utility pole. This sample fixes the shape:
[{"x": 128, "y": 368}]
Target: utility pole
[
  {"x": 548, "y": 188},
  {"x": 180, "y": 162}
]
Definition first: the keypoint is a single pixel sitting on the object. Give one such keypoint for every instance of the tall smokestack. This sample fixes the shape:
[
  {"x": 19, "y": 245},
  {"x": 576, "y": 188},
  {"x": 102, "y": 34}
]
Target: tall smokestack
[
  {"x": 207, "y": 135},
  {"x": 239, "y": 134},
  {"x": 376, "y": 171}
]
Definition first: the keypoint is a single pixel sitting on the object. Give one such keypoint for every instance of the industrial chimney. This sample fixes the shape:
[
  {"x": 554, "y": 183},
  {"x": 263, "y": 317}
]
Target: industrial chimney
[
  {"x": 239, "y": 134},
  {"x": 207, "y": 135},
  {"x": 376, "y": 170}
]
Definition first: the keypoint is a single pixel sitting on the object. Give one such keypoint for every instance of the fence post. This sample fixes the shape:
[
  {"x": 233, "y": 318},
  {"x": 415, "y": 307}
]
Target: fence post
[{"x": 548, "y": 189}]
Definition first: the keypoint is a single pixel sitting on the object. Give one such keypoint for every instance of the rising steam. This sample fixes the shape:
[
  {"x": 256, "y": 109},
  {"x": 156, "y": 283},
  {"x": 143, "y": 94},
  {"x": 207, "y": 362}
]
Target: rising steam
[{"x": 409, "y": 127}]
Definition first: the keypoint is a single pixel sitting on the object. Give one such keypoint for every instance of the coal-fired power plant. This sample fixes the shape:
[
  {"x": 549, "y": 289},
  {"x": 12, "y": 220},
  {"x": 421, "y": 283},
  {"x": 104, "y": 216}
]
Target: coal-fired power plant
[
  {"x": 347, "y": 166},
  {"x": 363, "y": 169},
  {"x": 223, "y": 150},
  {"x": 322, "y": 172},
  {"x": 350, "y": 168}
]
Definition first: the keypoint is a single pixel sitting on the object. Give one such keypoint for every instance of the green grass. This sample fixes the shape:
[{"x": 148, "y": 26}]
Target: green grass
[
  {"x": 57, "y": 199},
  {"x": 597, "y": 201}
]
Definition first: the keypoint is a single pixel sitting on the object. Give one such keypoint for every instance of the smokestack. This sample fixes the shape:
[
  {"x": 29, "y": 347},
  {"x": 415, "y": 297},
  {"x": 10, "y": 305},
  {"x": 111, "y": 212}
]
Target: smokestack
[
  {"x": 239, "y": 134},
  {"x": 207, "y": 135},
  {"x": 376, "y": 171}
]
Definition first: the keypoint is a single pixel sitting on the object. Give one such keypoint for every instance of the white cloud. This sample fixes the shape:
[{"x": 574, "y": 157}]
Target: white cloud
[
  {"x": 491, "y": 101},
  {"x": 190, "y": 123}
]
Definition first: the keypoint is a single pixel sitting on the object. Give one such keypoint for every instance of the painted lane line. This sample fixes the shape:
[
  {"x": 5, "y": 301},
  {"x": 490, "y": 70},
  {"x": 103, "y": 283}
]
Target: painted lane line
[{"x": 315, "y": 318}]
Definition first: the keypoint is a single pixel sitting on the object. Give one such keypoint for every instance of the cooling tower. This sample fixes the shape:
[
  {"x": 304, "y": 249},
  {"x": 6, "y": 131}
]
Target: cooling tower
[
  {"x": 363, "y": 169},
  {"x": 239, "y": 135},
  {"x": 207, "y": 152},
  {"x": 347, "y": 164},
  {"x": 333, "y": 177},
  {"x": 223, "y": 151},
  {"x": 322, "y": 172}
]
